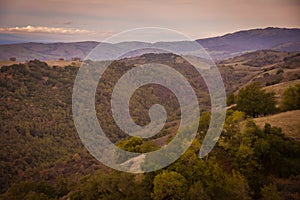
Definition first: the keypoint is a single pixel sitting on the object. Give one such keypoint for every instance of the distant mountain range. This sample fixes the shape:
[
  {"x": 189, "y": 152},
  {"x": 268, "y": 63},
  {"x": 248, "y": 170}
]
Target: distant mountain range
[
  {"x": 223, "y": 47},
  {"x": 229, "y": 45}
]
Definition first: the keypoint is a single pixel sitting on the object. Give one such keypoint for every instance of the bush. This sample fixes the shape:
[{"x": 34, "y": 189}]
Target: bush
[
  {"x": 254, "y": 101},
  {"x": 291, "y": 98}
]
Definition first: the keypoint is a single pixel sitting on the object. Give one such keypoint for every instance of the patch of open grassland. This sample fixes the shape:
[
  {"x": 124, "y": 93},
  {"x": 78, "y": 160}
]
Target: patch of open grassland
[
  {"x": 289, "y": 122},
  {"x": 279, "y": 89}
]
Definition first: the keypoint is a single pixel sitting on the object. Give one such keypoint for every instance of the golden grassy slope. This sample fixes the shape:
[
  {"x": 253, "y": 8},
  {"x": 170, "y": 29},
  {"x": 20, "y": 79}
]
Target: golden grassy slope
[
  {"x": 8, "y": 62},
  {"x": 288, "y": 121},
  {"x": 51, "y": 63},
  {"x": 63, "y": 63},
  {"x": 279, "y": 89}
]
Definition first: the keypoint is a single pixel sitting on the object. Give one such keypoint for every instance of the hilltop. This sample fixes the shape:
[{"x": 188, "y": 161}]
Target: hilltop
[
  {"x": 233, "y": 44},
  {"x": 267, "y": 67},
  {"x": 219, "y": 48}
]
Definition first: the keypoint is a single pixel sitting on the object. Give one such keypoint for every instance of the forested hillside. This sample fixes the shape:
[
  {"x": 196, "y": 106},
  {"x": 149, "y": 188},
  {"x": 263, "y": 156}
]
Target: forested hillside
[{"x": 42, "y": 156}]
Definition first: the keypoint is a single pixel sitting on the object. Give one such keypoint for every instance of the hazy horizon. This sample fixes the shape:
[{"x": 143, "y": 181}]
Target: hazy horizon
[{"x": 3, "y": 42}]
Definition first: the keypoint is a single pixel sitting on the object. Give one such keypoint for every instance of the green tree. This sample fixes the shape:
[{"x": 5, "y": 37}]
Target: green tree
[
  {"x": 20, "y": 190},
  {"x": 134, "y": 144},
  {"x": 204, "y": 123},
  {"x": 237, "y": 187},
  {"x": 268, "y": 103},
  {"x": 254, "y": 101},
  {"x": 231, "y": 132},
  {"x": 169, "y": 185},
  {"x": 230, "y": 99},
  {"x": 130, "y": 144},
  {"x": 197, "y": 192},
  {"x": 147, "y": 146},
  {"x": 115, "y": 185},
  {"x": 291, "y": 98}
]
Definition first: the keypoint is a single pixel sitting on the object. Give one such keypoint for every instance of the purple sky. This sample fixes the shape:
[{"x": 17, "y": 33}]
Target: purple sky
[{"x": 76, "y": 20}]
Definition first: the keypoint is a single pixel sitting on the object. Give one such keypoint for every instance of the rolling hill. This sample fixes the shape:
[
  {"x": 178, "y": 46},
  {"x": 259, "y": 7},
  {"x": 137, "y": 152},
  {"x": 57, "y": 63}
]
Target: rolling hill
[
  {"x": 233, "y": 44},
  {"x": 219, "y": 48},
  {"x": 288, "y": 121},
  {"x": 41, "y": 154},
  {"x": 267, "y": 67}
]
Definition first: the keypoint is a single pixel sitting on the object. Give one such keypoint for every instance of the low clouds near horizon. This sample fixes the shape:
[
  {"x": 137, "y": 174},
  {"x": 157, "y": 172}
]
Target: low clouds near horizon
[
  {"x": 48, "y": 34},
  {"x": 43, "y": 29}
]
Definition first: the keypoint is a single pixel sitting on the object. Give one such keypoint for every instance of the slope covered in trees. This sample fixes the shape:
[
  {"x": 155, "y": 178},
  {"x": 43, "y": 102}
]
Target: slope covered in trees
[{"x": 43, "y": 158}]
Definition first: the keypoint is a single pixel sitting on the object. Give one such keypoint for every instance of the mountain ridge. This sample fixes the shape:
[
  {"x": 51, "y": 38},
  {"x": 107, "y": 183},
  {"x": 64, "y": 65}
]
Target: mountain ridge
[{"x": 219, "y": 48}]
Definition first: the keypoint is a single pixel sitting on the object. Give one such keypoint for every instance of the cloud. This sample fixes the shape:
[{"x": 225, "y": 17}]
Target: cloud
[
  {"x": 44, "y": 29},
  {"x": 50, "y": 34}
]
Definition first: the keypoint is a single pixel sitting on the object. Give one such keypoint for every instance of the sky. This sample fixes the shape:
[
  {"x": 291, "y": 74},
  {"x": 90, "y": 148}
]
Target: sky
[{"x": 96, "y": 20}]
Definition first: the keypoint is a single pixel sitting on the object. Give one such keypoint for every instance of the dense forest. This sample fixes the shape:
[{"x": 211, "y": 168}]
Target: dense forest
[{"x": 42, "y": 156}]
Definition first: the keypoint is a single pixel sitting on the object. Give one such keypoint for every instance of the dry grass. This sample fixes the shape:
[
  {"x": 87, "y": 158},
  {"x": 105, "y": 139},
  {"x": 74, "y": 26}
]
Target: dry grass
[
  {"x": 59, "y": 63},
  {"x": 63, "y": 63},
  {"x": 279, "y": 89},
  {"x": 8, "y": 62},
  {"x": 289, "y": 122}
]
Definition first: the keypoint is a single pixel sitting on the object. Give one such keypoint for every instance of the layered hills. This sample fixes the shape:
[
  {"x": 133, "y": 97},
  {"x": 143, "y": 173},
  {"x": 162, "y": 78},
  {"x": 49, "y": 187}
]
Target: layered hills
[
  {"x": 42, "y": 156},
  {"x": 219, "y": 48}
]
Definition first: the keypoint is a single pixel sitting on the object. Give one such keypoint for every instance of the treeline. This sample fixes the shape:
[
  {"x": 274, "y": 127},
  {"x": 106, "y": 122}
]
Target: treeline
[{"x": 255, "y": 101}]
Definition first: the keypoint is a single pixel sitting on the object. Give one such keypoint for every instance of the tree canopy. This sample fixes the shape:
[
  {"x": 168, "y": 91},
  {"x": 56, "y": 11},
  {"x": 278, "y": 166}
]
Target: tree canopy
[
  {"x": 254, "y": 101},
  {"x": 291, "y": 98}
]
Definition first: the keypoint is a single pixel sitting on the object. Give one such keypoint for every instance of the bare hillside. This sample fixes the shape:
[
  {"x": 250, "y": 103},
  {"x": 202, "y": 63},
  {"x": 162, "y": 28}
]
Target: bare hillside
[{"x": 288, "y": 121}]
